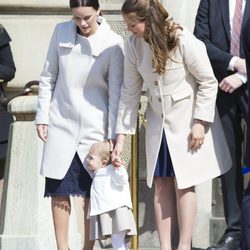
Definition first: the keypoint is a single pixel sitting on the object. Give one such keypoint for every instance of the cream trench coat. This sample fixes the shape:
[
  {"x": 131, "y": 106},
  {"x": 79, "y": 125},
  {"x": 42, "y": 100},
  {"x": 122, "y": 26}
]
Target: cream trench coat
[
  {"x": 186, "y": 91},
  {"x": 79, "y": 93}
]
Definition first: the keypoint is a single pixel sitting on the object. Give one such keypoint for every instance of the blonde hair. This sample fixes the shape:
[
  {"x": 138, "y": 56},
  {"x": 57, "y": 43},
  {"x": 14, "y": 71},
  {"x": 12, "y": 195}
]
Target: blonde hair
[
  {"x": 102, "y": 148},
  {"x": 160, "y": 32}
]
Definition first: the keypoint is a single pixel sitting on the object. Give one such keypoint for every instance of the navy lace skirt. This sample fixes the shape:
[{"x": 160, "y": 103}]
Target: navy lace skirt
[
  {"x": 76, "y": 182},
  {"x": 164, "y": 166}
]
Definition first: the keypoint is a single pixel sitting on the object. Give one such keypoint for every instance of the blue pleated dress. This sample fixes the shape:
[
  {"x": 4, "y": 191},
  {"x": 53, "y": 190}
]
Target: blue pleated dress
[
  {"x": 164, "y": 166},
  {"x": 76, "y": 182}
]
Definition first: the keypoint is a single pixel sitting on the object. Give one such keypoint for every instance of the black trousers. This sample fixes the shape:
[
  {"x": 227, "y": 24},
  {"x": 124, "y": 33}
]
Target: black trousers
[{"x": 232, "y": 181}]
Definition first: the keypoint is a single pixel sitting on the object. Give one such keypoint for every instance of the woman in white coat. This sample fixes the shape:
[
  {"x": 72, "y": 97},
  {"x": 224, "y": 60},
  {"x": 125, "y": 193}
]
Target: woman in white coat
[
  {"x": 185, "y": 144},
  {"x": 78, "y": 99}
]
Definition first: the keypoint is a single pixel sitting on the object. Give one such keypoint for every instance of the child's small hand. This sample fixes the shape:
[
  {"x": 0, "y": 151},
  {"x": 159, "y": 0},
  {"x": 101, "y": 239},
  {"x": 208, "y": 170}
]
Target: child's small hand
[
  {"x": 117, "y": 162},
  {"x": 117, "y": 150}
]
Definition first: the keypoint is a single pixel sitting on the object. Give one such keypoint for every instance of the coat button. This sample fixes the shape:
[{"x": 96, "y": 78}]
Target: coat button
[
  {"x": 159, "y": 99},
  {"x": 155, "y": 83}
]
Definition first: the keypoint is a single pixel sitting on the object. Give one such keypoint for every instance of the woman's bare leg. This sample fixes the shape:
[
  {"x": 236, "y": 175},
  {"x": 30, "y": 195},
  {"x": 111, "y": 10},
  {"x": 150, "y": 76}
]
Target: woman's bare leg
[
  {"x": 88, "y": 244},
  {"x": 61, "y": 211},
  {"x": 186, "y": 210},
  {"x": 165, "y": 210}
]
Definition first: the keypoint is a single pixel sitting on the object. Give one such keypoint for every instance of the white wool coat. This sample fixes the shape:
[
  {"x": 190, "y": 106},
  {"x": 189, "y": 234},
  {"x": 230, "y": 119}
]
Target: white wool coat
[
  {"x": 79, "y": 93},
  {"x": 187, "y": 90}
]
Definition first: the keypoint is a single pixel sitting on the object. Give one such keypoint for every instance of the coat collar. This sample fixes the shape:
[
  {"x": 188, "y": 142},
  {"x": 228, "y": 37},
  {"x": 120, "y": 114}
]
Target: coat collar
[
  {"x": 96, "y": 41},
  {"x": 68, "y": 38}
]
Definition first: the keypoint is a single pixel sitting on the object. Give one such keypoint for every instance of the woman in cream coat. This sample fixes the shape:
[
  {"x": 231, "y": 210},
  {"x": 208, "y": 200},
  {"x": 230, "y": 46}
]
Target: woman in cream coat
[
  {"x": 77, "y": 105},
  {"x": 181, "y": 115}
]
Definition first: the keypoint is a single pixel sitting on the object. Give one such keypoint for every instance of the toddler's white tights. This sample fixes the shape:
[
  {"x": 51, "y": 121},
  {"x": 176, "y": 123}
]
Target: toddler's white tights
[{"x": 118, "y": 241}]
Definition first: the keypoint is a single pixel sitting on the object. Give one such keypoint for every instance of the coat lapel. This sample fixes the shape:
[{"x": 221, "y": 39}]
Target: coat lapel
[
  {"x": 246, "y": 13},
  {"x": 224, "y": 6},
  {"x": 68, "y": 35},
  {"x": 245, "y": 18},
  {"x": 98, "y": 43}
]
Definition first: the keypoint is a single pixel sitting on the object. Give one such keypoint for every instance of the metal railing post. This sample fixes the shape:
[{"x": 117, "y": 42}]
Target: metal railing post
[{"x": 134, "y": 183}]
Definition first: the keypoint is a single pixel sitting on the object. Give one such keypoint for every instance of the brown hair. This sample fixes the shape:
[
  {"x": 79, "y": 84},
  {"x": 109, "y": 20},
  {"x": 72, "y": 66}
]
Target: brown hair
[{"x": 160, "y": 32}]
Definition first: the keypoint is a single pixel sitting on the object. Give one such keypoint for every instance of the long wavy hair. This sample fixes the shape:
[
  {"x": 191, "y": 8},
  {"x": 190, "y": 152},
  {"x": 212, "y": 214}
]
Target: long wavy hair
[
  {"x": 160, "y": 31},
  {"x": 80, "y": 3}
]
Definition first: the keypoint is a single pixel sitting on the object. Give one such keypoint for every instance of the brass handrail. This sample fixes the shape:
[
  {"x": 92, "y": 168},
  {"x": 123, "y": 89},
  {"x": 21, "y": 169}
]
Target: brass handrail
[{"x": 134, "y": 184}]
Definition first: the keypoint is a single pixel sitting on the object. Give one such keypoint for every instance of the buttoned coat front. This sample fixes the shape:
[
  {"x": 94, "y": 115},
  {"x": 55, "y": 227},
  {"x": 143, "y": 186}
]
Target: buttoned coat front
[
  {"x": 187, "y": 90},
  {"x": 79, "y": 93}
]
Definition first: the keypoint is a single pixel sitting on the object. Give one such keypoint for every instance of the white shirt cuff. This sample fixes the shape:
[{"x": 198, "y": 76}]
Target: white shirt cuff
[
  {"x": 231, "y": 63},
  {"x": 243, "y": 77}
]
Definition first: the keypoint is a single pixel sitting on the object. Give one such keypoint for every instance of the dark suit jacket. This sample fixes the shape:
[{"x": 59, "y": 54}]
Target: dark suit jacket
[
  {"x": 246, "y": 46},
  {"x": 7, "y": 66},
  {"x": 7, "y": 72},
  {"x": 213, "y": 28}
]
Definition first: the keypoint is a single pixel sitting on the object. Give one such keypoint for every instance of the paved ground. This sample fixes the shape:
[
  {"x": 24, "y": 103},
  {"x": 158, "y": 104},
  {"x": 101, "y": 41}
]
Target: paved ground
[
  {"x": 152, "y": 249},
  {"x": 147, "y": 249}
]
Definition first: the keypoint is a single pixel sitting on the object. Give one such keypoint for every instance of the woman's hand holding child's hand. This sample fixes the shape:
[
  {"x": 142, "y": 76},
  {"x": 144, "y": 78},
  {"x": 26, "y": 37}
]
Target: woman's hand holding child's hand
[{"x": 115, "y": 156}]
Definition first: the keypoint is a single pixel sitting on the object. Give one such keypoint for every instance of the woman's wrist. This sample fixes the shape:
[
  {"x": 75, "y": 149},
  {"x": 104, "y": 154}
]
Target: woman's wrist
[
  {"x": 202, "y": 122},
  {"x": 120, "y": 138}
]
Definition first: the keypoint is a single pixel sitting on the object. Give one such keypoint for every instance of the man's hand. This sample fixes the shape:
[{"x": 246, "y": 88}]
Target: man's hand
[{"x": 230, "y": 83}]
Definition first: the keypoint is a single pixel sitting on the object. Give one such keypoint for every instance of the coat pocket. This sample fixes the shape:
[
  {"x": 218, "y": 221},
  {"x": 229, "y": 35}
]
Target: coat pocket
[{"x": 182, "y": 94}]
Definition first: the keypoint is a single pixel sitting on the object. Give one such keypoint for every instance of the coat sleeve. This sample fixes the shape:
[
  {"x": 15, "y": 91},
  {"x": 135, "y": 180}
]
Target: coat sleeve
[
  {"x": 47, "y": 81},
  {"x": 115, "y": 82},
  {"x": 120, "y": 176},
  {"x": 219, "y": 59},
  {"x": 130, "y": 94},
  {"x": 198, "y": 64},
  {"x": 7, "y": 65}
]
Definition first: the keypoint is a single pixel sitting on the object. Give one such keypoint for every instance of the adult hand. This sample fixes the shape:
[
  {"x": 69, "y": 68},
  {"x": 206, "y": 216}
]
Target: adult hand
[
  {"x": 116, "y": 154},
  {"x": 230, "y": 83},
  {"x": 240, "y": 65},
  {"x": 197, "y": 135},
  {"x": 42, "y": 131}
]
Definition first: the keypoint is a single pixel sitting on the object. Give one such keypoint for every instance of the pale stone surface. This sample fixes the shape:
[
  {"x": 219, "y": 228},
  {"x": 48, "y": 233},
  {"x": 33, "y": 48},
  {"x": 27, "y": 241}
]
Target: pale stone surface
[
  {"x": 26, "y": 220},
  {"x": 201, "y": 233},
  {"x": 23, "y": 105},
  {"x": 183, "y": 12},
  {"x": 30, "y": 36},
  {"x": 34, "y": 3},
  {"x": 109, "y": 5}
]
